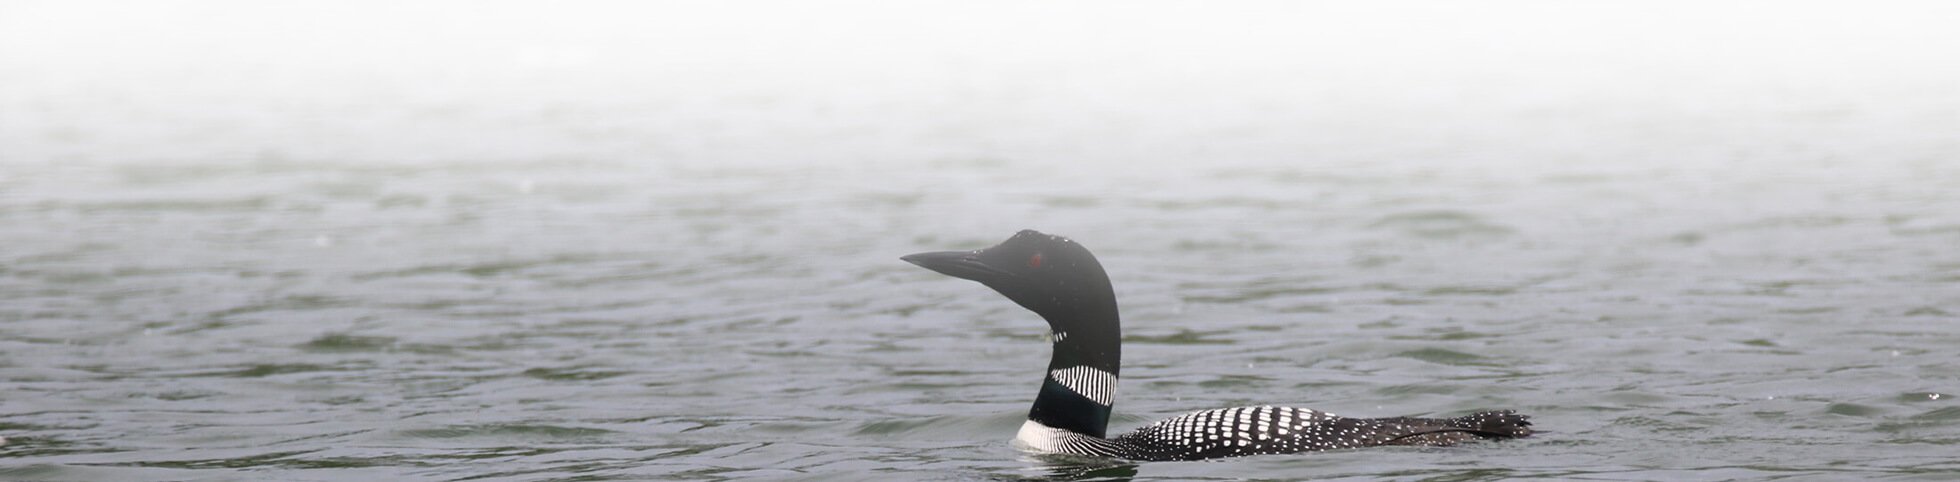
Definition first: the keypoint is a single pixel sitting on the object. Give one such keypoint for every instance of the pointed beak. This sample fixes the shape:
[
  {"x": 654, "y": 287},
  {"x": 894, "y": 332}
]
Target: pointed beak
[{"x": 958, "y": 264}]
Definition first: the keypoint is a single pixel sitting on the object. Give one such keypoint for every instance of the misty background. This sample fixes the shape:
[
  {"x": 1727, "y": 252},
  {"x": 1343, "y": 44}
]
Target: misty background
[{"x": 1515, "y": 84}]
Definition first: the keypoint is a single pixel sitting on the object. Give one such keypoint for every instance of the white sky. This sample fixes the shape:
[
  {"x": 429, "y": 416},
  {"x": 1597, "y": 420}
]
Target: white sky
[{"x": 111, "y": 68}]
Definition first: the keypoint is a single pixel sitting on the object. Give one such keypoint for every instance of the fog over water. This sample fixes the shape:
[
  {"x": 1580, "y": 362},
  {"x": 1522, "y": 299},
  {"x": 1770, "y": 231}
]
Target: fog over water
[{"x": 658, "y": 240}]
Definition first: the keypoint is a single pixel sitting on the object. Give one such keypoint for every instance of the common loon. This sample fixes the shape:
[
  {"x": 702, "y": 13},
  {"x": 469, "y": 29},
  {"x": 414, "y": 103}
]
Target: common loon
[{"x": 1061, "y": 281}]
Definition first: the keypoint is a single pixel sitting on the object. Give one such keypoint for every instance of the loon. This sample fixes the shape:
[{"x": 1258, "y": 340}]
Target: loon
[{"x": 1061, "y": 281}]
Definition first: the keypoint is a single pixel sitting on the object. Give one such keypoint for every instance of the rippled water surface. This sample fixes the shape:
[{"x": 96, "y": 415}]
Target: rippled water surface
[{"x": 586, "y": 255}]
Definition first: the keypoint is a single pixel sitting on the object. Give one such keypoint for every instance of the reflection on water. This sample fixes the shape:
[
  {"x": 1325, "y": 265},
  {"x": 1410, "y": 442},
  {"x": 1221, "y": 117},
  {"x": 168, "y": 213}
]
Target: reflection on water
[
  {"x": 1082, "y": 469},
  {"x": 659, "y": 241}
]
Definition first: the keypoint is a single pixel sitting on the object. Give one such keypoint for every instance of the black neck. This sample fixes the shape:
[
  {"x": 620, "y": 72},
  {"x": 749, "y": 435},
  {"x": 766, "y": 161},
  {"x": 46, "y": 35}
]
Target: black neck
[{"x": 1092, "y": 339}]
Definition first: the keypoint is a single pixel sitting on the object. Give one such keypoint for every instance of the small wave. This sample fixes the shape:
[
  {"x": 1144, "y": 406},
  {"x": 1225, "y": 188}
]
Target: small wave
[
  {"x": 523, "y": 431},
  {"x": 943, "y": 427},
  {"x": 1441, "y": 224},
  {"x": 572, "y": 374},
  {"x": 1182, "y": 337},
  {"x": 270, "y": 369},
  {"x": 343, "y": 343},
  {"x": 1445, "y": 357}
]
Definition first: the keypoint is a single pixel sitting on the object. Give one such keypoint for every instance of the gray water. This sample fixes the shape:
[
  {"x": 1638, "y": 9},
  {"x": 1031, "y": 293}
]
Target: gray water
[{"x": 606, "y": 242}]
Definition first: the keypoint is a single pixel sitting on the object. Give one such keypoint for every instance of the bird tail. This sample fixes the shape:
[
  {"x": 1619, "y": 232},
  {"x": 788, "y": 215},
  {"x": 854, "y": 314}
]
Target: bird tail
[
  {"x": 1495, "y": 424},
  {"x": 1498, "y": 424}
]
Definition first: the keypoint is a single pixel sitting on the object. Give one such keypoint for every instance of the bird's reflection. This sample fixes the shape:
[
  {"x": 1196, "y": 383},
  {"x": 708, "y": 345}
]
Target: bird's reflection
[{"x": 1079, "y": 468}]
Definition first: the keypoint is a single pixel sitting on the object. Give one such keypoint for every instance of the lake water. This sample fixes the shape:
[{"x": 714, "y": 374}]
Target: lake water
[{"x": 600, "y": 242}]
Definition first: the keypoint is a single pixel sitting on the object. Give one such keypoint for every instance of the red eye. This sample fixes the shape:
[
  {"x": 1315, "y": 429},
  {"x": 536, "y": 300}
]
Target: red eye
[{"x": 1034, "y": 261}]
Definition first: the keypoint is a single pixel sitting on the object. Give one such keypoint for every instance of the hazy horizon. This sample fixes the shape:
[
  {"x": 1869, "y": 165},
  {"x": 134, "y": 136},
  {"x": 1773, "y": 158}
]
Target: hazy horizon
[{"x": 1624, "y": 84}]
